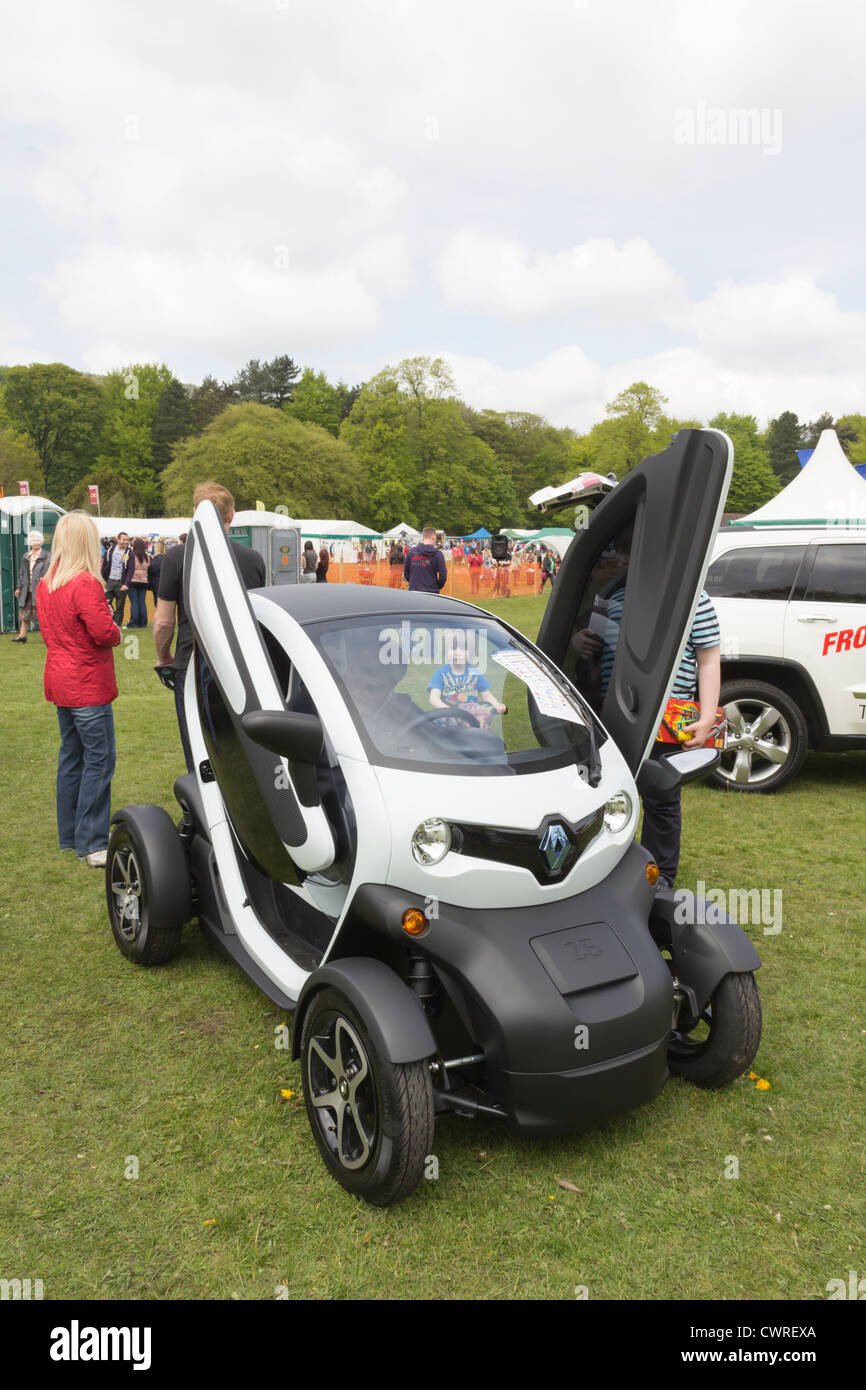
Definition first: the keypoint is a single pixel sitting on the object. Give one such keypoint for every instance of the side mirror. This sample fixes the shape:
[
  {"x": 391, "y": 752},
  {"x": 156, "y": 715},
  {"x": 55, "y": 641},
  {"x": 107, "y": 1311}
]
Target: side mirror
[
  {"x": 298, "y": 737},
  {"x": 663, "y": 774}
]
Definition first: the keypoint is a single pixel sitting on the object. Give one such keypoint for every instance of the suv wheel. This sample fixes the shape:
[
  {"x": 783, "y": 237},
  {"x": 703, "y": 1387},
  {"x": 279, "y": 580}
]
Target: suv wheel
[{"x": 766, "y": 741}]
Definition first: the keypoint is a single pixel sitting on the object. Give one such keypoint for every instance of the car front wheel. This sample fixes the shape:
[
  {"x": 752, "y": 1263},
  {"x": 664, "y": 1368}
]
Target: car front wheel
[
  {"x": 372, "y": 1119},
  {"x": 766, "y": 738},
  {"x": 720, "y": 1045}
]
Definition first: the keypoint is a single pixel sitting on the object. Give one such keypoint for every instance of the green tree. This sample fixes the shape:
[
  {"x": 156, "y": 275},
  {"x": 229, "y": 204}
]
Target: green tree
[
  {"x": 132, "y": 396},
  {"x": 636, "y": 426},
  {"x": 376, "y": 432},
  {"x": 61, "y": 411},
  {"x": 19, "y": 461},
  {"x": 173, "y": 421},
  {"x": 316, "y": 401},
  {"x": 812, "y": 432},
  {"x": 782, "y": 440},
  {"x": 422, "y": 461},
  {"x": 210, "y": 400},
  {"x": 348, "y": 395},
  {"x": 855, "y": 430},
  {"x": 533, "y": 452},
  {"x": 753, "y": 482},
  {"x": 263, "y": 454},
  {"x": 117, "y": 496},
  {"x": 266, "y": 383}
]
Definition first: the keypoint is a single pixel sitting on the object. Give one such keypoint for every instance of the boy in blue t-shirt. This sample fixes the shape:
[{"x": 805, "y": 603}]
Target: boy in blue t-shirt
[{"x": 457, "y": 683}]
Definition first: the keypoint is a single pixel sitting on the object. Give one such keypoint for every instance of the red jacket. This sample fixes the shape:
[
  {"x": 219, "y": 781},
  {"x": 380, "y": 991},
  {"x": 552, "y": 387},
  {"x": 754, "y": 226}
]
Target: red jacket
[{"x": 79, "y": 633}]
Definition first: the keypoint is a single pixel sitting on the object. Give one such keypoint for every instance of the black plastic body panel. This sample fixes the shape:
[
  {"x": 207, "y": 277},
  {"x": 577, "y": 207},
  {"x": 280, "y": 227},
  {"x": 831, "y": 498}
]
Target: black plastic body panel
[
  {"x": 165, "y": 863},
  {"x": 391, "y": 1012},
  {"x": 593, "y": 1051},
  {"x": 705, "y": 943}
]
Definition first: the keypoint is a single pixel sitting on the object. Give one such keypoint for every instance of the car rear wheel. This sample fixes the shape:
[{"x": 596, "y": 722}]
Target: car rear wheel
[
  {"x": 372, "y": 1120},
  {"x": 147, "y": 885},
  {"x": 766, "y": 740}
]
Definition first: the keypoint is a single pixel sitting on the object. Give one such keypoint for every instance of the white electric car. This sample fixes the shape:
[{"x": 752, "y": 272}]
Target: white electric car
[{"x": 449, "y": 896}]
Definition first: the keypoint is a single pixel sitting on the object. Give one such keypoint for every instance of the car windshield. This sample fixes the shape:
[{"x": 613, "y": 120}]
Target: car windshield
[{"x": 456, "y": 695}]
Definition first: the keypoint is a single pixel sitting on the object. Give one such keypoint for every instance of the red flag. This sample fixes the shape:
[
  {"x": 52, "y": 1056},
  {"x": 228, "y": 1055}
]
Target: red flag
[
  {"x": 93, "y": 490},
  {"x": 24, "y": 489}
]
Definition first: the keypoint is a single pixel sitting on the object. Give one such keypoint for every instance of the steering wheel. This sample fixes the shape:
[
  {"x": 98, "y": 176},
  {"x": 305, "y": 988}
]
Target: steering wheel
[{"x": 446, "y": 712}]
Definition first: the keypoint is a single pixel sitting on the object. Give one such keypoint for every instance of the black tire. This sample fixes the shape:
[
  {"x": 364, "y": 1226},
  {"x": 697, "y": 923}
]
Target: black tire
[
  {"x": 147, "y": 885},
  {"x": 723, "y": 1043},
  {"x": 374, "y": 1138},
  {"x": 766, "y": 762}
]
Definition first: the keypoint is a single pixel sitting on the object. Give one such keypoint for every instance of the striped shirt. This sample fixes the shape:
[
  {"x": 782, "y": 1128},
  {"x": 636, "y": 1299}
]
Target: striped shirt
[{"x": 704, "y": 633}]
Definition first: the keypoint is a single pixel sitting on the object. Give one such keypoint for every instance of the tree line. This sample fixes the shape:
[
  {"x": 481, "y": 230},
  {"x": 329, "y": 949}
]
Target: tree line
[{"x": 402, "y": 446}]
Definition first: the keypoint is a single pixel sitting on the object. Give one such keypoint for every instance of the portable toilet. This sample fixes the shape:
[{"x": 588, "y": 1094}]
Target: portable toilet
[
  {"x": 277, "y": 539},
  {"x": 19, "y": 516}
]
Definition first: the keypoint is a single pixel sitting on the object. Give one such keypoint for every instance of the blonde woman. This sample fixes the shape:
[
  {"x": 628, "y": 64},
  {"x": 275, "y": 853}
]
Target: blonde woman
[{"x": 79, "y": 633}]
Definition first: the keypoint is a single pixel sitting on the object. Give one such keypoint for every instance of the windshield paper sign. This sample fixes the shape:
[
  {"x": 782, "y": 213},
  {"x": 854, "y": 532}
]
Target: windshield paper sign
[{"x": 548, "y": 698}]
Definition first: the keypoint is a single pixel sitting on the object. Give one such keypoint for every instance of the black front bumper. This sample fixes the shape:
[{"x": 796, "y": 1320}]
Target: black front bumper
[{"x": 571, "y": 1002}]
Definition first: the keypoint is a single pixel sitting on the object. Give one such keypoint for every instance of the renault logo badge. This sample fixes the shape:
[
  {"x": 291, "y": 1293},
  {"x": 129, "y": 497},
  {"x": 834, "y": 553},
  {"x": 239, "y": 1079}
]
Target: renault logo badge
[{"x": 554, "y": 845}]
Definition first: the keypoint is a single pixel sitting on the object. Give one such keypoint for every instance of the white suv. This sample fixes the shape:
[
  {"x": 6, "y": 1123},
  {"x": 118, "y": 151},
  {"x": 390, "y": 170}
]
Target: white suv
[{"x": 792, "y": 608}]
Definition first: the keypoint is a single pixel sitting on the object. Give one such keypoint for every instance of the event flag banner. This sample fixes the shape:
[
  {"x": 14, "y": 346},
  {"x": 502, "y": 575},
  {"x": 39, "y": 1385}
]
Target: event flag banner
[
  {"x": 24, "y": 489},
  {"x": 93, "y": 494}
]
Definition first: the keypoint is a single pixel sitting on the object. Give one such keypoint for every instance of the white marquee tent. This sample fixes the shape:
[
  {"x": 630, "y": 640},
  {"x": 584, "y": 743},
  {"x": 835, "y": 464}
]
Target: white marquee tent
[
  {"x": 169, "y": 527},
  {"x": 402, "y": 530},
  {"x": 827, "y": 492}
]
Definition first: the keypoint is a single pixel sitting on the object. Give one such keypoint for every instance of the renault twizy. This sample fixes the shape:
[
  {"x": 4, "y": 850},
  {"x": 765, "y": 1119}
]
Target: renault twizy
[{"x": 453, "y": 906}]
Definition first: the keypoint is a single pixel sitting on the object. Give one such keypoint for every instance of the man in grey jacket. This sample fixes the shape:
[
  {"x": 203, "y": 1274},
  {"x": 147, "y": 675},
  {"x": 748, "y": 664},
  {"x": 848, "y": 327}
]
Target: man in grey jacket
[
  {"x": 33, "y": 566},
  {"x": 118, "y": 567}
]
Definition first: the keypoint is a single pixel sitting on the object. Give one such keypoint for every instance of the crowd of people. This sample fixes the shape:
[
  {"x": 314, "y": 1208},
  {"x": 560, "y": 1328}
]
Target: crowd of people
[{"x": 130, "y": 569}]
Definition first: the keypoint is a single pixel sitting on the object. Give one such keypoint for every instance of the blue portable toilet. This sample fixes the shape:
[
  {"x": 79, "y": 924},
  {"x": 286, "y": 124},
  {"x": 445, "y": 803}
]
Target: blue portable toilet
[{"x": 19, "y": 516}]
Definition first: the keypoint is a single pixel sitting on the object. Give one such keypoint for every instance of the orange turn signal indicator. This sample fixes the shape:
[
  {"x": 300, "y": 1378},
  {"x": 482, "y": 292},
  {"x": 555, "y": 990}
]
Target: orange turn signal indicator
[
  {"x": 652, "y": 873},
  {"x": 414, "y": 921}
]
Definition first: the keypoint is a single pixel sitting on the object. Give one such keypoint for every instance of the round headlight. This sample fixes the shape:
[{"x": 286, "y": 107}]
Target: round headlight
[
  {"x": 617, "y": 812},
  {"x": 431, "y": 841}
]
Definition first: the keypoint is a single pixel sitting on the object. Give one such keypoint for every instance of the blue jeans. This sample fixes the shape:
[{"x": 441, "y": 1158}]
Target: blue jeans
[
  {"x": 85, "y": 767},
  {"x": 138, "y": 605}
]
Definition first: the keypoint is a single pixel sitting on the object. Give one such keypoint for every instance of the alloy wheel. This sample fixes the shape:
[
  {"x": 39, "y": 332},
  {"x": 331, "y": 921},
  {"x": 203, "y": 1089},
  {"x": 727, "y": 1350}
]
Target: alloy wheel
[
  {"x": 127, "y": 891},
  {"x": 758, "y": 743},
  {"x": 343, "y": 1092}
]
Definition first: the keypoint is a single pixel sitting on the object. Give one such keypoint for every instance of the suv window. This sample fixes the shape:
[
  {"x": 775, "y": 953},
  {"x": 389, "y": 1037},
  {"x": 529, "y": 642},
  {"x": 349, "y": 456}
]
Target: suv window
[
  {"x": 755, "y": 573},
  {"x": 839, "y": 574}
]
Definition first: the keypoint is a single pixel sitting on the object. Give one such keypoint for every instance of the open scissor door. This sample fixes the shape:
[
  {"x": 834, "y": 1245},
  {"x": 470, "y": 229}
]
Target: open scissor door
[
  {"x": 235, "y": 679},
  {"x": 632, "y": 579}
]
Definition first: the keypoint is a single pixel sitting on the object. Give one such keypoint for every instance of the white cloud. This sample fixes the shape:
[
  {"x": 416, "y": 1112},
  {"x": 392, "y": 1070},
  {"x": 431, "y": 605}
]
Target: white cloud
[
  {"x": 563, "y": 381},
  {"x": 129, "y": 304},
  {"x": 788, "y": 323},
  {"x": 569, "y": 389},
  {"x": 501, "y": 277}
]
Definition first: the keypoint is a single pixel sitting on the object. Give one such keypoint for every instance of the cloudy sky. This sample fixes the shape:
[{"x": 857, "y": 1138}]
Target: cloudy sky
[{"x": 560, "y": 197}]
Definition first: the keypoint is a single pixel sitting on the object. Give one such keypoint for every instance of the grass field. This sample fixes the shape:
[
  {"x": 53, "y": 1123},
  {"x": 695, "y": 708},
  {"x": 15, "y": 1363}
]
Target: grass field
[{"x": 172, "y": 1073}]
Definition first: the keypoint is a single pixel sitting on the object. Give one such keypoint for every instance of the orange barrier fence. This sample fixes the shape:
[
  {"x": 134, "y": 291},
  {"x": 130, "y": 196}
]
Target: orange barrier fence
[
  {"x": 474, "y": 584},
  {"x": 494, "y": 581}
]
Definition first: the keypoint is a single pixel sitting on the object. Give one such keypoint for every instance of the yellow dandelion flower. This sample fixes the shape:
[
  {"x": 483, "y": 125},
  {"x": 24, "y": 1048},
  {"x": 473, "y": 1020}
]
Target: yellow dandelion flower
[{"x": 762, "y": 1085}]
